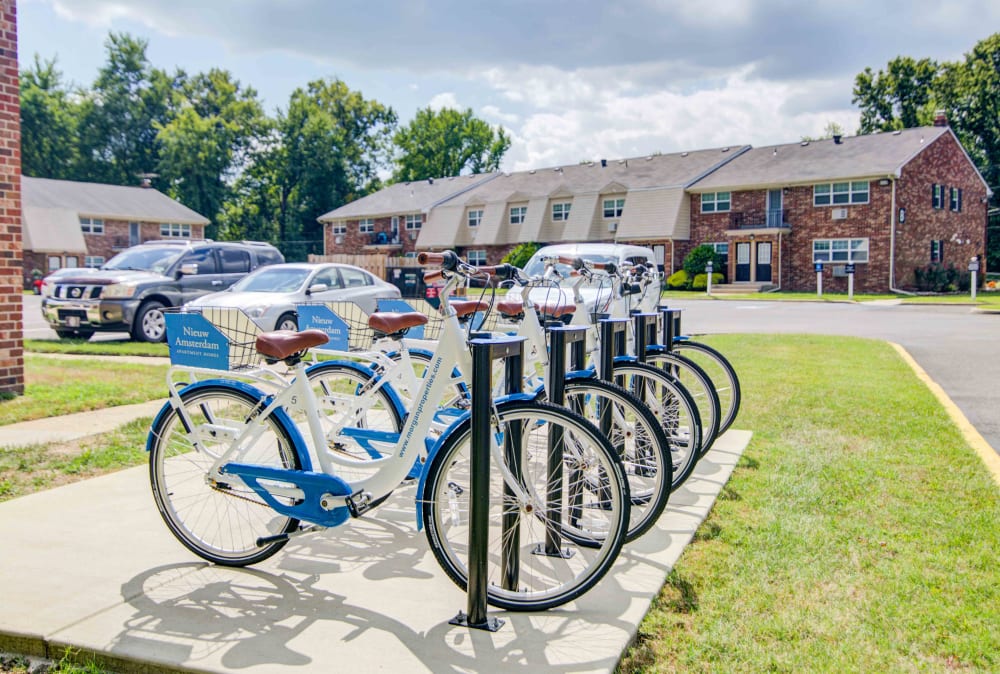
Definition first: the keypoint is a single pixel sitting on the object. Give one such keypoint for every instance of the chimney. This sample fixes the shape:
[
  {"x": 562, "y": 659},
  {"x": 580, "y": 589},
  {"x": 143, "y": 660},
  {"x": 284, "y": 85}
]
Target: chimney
[
  {"x": 836, "y": 138},
  {"x": 604, "y": 163},
  {"x": 146, "y": 182},
  {"x": 940, "y": 118},
  {"x": 430, "y": 181}
]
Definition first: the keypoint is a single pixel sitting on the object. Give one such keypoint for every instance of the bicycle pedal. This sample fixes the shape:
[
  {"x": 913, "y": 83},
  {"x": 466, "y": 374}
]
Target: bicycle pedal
[{"x": 359, "y": 503}]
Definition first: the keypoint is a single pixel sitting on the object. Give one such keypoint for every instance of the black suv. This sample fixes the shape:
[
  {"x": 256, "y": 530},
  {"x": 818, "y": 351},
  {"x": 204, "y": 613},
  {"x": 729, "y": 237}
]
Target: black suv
[{"x": 133, "y": 288}]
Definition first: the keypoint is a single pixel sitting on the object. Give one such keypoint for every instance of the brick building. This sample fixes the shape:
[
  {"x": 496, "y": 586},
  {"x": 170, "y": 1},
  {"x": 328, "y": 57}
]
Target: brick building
[
  {"x": 11, "y": 317},
  {"x": 78, "y": 224},
  {"x": 886, "y": 203}
]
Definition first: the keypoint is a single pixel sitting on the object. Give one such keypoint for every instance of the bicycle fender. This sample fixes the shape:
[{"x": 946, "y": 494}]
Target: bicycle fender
[
  {"x": 657, "y": 348},
  {"x": 368, "y": 372},
  {"x": 432, "y": 452},
  {"x": 280, "y": 415}
]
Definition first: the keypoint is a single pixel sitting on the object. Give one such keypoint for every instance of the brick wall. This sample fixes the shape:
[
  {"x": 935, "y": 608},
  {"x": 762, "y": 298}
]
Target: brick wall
[
  {"x": 353, "y": 240},
  {"x": 11, "y": 318}
]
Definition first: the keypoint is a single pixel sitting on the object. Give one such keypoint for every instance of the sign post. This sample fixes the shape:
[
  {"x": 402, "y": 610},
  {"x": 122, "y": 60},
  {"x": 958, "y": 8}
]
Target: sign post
[
  {"x": 849, "y": 268},
  {"x": 973, "y": 268},
  {"x": 819, "y": 279},
  {"x": 708, "y": 271}
]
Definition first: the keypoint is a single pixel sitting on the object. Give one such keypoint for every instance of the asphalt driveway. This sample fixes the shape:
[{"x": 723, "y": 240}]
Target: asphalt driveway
[{"x": 959, "y": 348}]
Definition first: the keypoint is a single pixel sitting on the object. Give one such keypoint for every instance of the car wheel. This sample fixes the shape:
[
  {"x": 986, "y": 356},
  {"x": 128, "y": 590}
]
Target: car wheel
[
  {"x": 74, "y": 334},
  {"x": 287, "y": 322},
  {"x": 149, "y": 324}
]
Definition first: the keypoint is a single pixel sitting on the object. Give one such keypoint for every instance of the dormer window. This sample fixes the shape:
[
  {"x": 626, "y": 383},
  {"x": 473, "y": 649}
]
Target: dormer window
[
  {"x": 613, "y": 208},
  {"x": 560, "y": 211},
  {"x": 518, "y": 214},
  {"x": 475, "y": 217}
]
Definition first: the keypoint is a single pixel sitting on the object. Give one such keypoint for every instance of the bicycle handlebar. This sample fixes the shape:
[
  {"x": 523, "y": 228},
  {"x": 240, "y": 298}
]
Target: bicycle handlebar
[{"x": 448, "y": 260}]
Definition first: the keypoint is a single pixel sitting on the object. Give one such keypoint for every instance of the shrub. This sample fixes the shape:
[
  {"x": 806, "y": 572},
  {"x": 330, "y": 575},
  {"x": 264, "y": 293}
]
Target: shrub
[
  {"x": 696, "y": 260},
  {"x": 520, "y": 254},
  {"x": 679, "y": 280},
  {"x": 700, "y": 281}
]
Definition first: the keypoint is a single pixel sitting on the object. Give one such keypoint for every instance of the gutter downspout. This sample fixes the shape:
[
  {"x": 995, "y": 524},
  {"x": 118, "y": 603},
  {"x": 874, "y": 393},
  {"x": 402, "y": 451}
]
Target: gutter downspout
[{"x": 892, "y": 244}]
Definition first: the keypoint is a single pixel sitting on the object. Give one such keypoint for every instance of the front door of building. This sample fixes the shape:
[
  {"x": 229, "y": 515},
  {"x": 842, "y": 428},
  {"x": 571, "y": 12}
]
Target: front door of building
[
  {"x": 763, "y": 262},
  {"x": 742, "y": 261}
]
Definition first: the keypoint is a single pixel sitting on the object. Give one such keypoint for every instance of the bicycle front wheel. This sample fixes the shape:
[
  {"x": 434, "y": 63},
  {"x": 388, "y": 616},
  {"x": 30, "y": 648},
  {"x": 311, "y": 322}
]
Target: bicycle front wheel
[
  {"x": 218, "y": 521},
  {"x": 557, "y": 520},
  {"x": 722, "y": 374},
  {"x": 701, "y": 387}
]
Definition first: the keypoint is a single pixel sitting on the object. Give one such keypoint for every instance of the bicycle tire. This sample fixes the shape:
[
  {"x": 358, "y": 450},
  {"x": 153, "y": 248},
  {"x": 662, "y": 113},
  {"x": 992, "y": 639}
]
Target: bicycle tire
[
  {"x": 636, "y": 434},
  {"x": 218, "y": 522},
  {"x": 673, "y": 406},
  {"x": 722, "y": 373},
  {"x": 700, "y": 386},
  {"x": 542, "y": 580}
]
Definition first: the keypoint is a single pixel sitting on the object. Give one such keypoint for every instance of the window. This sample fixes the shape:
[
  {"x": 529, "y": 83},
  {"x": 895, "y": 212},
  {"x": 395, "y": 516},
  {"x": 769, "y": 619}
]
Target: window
[
  {"x": 72, "y": 261},
  {"x": 561, "y": 211},
  {"x": 517, "y": 214},
  {"x": 366, "y": 225},
  {"x": 716, "y": 202},
  {"x": 55, "y": 262},
  {"x": 339, "y": 227},
  {"x": 937, "y": 196},
  {"x": 937, "y": 251},
  {"x": 840, "y": 250},
  {"x": 93, "y": 261},
  {"x": 722, "y": 250},
  {"x": 613, "y": 208},
  {"x": 476, "y": 257},
  {"x": 92, "y": 225},
  {"x": 414, "y": 221},
  {"x": 173, "y": 230},
  {"x": 329, "y": 277},
  {"x": 355, "y": 278},
  {"x": 836, "y": 194},
  {"x": 205, "y": 260},
  {"x": 955, "y": 200},
  {"x": 475, "y": 217},
  {"x": 234, "y": 261}
]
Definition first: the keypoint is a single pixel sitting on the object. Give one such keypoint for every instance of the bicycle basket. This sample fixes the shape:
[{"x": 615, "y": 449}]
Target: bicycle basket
[{"x": 215, "y": 338}]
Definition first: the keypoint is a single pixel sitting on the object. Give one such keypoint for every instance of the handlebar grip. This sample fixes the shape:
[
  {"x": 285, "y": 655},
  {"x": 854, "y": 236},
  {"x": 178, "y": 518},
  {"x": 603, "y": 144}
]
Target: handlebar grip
[
  {"x": 433, "y": 276},
  {"x": 447, "y": 260},
  {"x": 575, "y": 262},
  {"x": 502, "y": 271}
]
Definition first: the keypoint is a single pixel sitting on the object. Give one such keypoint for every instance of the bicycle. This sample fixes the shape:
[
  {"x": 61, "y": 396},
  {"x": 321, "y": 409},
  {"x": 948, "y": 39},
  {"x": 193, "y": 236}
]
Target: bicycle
[{"x": 233, "y": 477}]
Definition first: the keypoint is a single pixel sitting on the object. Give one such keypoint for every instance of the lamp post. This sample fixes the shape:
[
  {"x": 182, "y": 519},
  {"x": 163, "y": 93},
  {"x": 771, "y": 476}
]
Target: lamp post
[
  {"x": 973, "y": 268},
  {"x": 708, "y": 271}
]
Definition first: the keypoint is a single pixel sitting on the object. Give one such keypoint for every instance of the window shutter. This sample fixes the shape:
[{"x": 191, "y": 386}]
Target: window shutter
[{"x": 959, "y": 199}]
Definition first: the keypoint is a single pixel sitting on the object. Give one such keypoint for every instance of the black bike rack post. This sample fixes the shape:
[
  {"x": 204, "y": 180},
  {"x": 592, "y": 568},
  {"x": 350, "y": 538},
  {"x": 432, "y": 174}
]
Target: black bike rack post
[
  {"x": 484, "y": 352},
  {"x": 644, "y": 326},
  {"x": 555, "y": 389},
  {"x": 612, "y": 335},
  {"x": 671, "y": 323}
]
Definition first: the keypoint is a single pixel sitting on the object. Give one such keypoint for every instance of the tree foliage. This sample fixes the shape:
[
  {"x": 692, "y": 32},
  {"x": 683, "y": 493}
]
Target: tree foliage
[
  {"x": 48, "y": 123},
  {"x": 701, "y": 255},
  {"x": 897, "y": 97},
  {"x": 520, "y": 254},
  {"x": 447, "y": 142}
]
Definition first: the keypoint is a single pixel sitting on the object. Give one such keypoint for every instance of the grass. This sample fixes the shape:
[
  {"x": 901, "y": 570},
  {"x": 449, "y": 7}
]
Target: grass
[
  {"x": 858, "y": 533},
  {"x": 55, "y": 387},
  {"x": 983, "y": 299},
  {"x": 103, "y": 348}
]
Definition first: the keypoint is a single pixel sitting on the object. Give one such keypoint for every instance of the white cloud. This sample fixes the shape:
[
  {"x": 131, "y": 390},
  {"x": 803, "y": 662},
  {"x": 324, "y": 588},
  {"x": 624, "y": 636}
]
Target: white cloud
[{"x": 443, "y": 100}]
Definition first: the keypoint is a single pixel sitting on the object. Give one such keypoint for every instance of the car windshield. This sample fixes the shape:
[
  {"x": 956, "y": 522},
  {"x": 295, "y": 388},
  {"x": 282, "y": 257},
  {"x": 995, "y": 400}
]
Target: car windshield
[
  {"x": 536, "y": 267},
  {"x": 145, "y": 258},
  {"x": 273, "y": 280}
]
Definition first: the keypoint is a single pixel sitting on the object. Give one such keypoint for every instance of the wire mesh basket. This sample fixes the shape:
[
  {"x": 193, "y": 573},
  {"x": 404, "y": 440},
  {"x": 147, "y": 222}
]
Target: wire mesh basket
[
  {"x": 216, "y": 338},
  {"x": 345, "y": 323}
]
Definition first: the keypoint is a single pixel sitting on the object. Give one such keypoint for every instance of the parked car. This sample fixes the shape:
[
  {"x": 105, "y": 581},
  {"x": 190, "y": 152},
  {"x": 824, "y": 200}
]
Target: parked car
[
  {"x": 132, "y": 289},
  {"x": 269, "y": 296},
  {"x": 47, "y": 285},
  {"x": 593, "y": 293}
]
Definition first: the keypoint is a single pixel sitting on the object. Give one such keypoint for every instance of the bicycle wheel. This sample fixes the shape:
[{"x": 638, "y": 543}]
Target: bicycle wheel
[
  {"x": 457, "y": 395},
  {"x": 637, "y": 437},
  {"x": 697, "y": 382},
  {"x": 673, "y": 406},
  {"x": 556, "y": 531},
  {"x": 218, "y": 521},
  {"x": 722, "y": 373}
]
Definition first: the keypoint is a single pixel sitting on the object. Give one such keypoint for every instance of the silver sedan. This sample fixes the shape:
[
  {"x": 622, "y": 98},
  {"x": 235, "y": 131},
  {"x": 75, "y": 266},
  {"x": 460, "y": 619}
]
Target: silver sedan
[{"x": 270, "y": 294}]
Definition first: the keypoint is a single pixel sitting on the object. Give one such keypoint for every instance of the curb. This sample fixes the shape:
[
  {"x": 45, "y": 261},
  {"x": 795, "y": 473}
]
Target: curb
[{"x": 972, "y": 436}]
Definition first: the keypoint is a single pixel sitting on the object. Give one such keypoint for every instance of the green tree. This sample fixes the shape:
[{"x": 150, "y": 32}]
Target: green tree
[
  {"x": 49, "y": 143},
  {"x": 121, "y": 114},
  {"x": 696, "y": 260},
  {"x": 829, "y": 131},
  {"x": 206, "y": 143},
  {"x": 899, "y": 97},
  {"x": 447, "y": 142},
  {"x": 521, "y": 253}
]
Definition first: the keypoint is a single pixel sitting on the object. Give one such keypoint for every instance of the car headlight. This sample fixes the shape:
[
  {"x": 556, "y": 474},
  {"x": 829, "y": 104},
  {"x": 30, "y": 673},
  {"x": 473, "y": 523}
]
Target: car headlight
[
  {"x": 257, "y": 311},
  {"x": 118, "y": 291}
]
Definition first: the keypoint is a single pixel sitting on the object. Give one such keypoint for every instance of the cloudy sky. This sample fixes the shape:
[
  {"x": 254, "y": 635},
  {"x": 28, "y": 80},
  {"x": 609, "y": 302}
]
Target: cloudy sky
[{"x": 569, "y": 79}]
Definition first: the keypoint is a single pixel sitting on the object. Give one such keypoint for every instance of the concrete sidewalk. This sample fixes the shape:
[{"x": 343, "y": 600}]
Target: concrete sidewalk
[
  {"x": 74, "y": 426},
  {"x": 92, "y": 566}
]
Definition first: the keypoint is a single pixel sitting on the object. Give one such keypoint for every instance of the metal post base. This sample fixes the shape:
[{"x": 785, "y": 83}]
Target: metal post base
[
  {"x": 564, "y": 553},
  {"x": 490, "y": 624}
]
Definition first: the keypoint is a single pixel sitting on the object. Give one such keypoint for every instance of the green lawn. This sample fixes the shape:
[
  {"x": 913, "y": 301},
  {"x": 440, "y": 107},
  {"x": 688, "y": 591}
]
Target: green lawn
[
  {"x": 55, "y": 387},
  {"x": 858, "y": 533},
  {"x": 990, "y": 300},
  {"x": 103, "y": 348}
]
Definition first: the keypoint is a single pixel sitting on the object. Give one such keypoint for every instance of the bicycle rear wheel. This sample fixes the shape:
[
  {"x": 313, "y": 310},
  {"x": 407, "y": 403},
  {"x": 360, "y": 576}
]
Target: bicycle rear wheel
[
  {"x": 701, "y": 387},
  {"x": 722, "y": 373},
  {"x": 220, "y": 522},
  {"x": 556, "y": 530}
]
